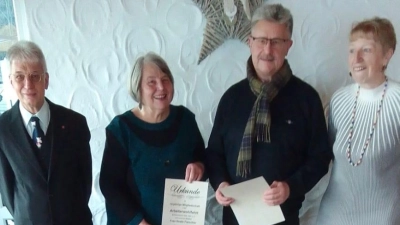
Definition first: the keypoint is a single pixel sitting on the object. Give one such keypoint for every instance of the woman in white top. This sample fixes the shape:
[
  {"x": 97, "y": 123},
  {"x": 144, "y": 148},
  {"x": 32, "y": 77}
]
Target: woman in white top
[{"x": 364, "y": 129}]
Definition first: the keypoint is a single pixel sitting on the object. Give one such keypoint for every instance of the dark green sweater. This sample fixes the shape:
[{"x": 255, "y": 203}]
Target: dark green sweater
[{"x": 138, "y": 156}]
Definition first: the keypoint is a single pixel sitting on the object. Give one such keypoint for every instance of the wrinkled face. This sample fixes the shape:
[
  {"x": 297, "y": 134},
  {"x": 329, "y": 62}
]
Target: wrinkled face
[
  {"x": 268, "y": 55},
  {"x": 156, "y": 88},
  {"x": 29, "y": 89},
  {"x": 366, "y": 60}
]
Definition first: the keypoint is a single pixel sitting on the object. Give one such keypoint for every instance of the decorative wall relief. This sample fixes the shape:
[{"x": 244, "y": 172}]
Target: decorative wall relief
[{"x": 226, "y": 19}]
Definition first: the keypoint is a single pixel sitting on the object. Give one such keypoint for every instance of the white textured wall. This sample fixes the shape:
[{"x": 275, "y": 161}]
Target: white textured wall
[{"x": 90, "y": 46}]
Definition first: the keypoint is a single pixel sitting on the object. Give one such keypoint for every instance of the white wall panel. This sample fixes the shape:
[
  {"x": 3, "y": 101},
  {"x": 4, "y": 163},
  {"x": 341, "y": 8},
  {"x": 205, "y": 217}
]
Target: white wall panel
[{"x": 91, "y": 45}]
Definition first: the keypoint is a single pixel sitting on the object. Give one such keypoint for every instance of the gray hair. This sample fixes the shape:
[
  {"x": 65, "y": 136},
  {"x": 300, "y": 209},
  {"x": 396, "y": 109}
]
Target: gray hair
[
  {"x": 274, "y": 13},
  {"x": 26, "y": 51},
  {"x": 135, "y": 77}
]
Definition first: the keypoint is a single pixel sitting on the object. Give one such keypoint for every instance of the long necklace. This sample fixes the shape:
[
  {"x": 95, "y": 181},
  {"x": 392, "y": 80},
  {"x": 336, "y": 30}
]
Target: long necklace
[{"x": 348, "y": 151}]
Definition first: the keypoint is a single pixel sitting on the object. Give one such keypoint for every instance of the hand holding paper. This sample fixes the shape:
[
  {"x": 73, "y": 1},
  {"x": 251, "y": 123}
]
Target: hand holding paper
[
  {"x": 249, "y": 207},
  {"x": 221, "y": 199},
  {"x": 277, "y": 193},
  {"x": 194, "y": 172}
]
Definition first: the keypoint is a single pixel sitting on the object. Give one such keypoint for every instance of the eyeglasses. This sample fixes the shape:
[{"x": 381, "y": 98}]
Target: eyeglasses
[
  {"x": 33, "y": 77},
  {"x": 274, "y": 42}
]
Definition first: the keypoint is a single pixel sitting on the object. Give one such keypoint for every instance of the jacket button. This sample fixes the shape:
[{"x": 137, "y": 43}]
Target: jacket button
[{"x": 166, "y": 163}]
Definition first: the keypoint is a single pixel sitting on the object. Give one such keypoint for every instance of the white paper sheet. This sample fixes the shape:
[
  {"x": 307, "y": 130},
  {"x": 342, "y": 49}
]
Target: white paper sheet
[
  {"x": 184, "y": 202},
  {"x": 249, "y": 207}
]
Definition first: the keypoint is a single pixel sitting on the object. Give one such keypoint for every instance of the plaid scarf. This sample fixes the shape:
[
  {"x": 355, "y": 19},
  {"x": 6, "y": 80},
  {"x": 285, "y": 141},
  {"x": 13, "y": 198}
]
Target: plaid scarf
[{"x": 258, "y": 124}]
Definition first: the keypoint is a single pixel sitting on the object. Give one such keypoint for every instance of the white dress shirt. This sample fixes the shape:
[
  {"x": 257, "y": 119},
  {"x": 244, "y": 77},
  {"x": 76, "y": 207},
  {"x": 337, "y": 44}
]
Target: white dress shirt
[{"x": 43, "y": 114}]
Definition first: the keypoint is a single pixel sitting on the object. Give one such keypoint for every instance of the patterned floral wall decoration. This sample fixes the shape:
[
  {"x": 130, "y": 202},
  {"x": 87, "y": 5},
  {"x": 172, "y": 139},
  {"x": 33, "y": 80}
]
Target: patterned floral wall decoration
[{"x": 226, "y": 19}]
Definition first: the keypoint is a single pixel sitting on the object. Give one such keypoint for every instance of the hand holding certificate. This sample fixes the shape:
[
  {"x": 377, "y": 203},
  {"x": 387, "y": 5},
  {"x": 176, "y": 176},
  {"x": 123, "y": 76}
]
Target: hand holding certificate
[
  {"x": 184, "y": 202},
  {"x": 249, "y": 207}
]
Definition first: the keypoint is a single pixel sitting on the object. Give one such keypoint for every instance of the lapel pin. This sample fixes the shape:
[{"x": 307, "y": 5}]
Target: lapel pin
[
  {"x": 63, "y": 127},
  {"x": 289, "y": 122}
]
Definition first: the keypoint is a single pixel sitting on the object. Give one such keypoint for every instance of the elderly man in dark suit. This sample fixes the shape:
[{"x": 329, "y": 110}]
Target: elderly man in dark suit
[{"x": 45, "y": 160}]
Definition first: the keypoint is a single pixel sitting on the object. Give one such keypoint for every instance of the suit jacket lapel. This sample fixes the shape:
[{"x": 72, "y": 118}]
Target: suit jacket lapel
[
  {"x": 55, "y": 131},
  {"x": 22, "y": 140}
]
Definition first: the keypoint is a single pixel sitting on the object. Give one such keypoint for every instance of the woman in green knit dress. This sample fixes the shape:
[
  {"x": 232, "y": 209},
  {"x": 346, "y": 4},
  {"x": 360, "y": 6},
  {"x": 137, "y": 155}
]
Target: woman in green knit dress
[{"x": 147, "y": 144}]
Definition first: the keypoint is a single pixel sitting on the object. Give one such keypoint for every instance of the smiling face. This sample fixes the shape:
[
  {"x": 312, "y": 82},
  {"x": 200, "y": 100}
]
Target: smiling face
[
  {"x": 156, "y": 89},
  {"x": 29, "y": 92},
  {"x": 268, "y": 59},
  {"x": 366, "y": 61}
]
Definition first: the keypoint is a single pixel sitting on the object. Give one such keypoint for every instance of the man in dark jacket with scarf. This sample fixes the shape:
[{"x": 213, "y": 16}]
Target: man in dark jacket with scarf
[{"x": 270, "y": 124}]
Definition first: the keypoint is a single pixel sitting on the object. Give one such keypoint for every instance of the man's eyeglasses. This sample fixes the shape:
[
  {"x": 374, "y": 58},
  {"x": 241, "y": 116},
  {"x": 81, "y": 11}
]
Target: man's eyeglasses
[
  {"x": 274, "y": 42},
  {"x": 33, "y": 77}
]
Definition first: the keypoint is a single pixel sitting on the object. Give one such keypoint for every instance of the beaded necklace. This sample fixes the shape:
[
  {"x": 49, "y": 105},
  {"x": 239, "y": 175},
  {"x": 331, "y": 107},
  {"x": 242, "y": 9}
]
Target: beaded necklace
[{"x": 348, "y": 151}]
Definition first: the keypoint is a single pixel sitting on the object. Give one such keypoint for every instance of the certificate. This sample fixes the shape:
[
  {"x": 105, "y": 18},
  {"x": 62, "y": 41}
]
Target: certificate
[
  {"x": 184, "y": 202},
  {"x": 249, "y": 207}
]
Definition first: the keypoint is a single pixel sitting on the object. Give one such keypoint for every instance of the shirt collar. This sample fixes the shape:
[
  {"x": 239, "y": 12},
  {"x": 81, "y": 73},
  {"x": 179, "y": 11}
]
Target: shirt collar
[{"x": 43, "y": 114}]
